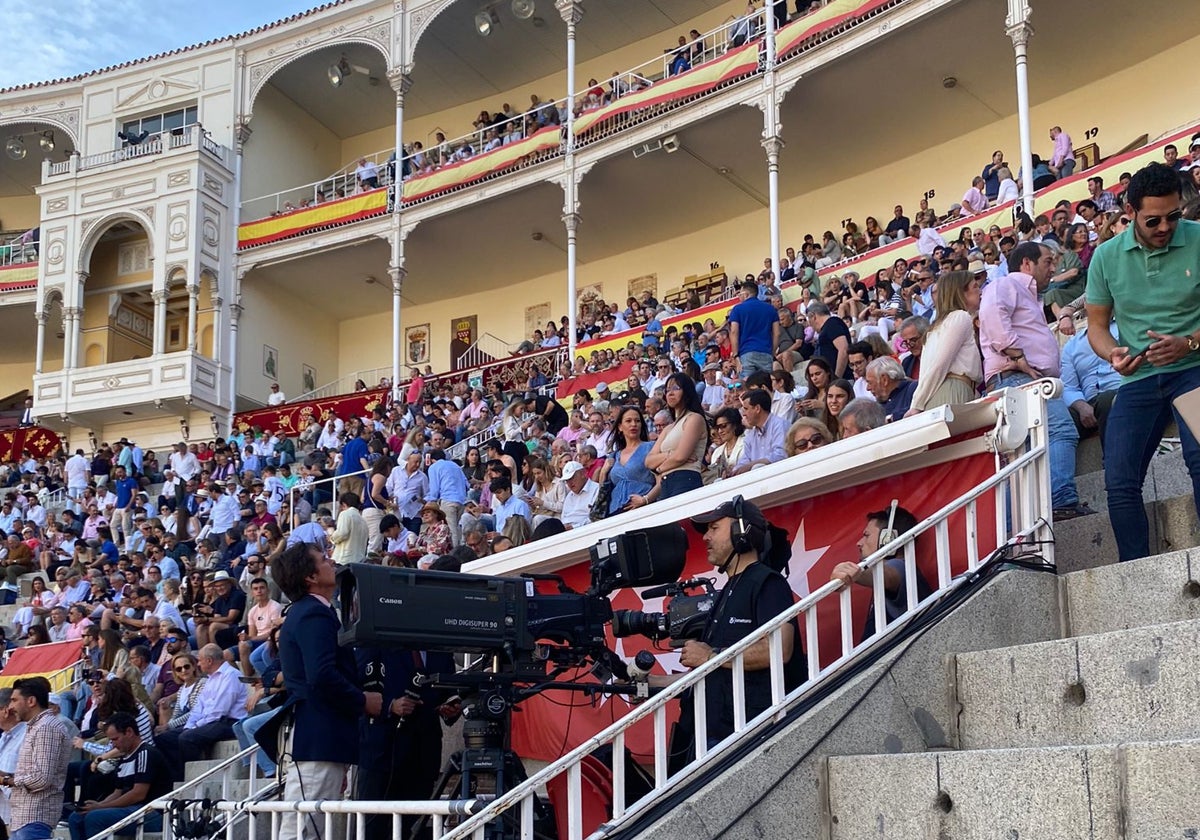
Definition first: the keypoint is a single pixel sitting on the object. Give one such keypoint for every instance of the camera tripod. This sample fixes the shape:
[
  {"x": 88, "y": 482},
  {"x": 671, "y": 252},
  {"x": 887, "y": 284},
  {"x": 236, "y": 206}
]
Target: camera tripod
[{"x": 487, "y": 766}]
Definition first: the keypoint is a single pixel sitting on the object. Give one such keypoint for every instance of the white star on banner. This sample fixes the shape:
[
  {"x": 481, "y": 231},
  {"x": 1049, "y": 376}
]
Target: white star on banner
[{"x": 803, "y": 560}]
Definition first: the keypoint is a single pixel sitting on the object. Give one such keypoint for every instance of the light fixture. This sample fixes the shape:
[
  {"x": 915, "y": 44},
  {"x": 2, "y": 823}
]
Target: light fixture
[
  {"x": 184, "y": 429},
  {"x": 523, "y": 9},
  {"x": 485, "y": 21},
  {"x": 216, "y": 427},
  {"x": 92, "y": 440},
  {"x": 46, "y": 141},
  {"x": 341, "y": 70},
  {"x": 15, "y": 147},
  {"x": 670, "y": 144}
]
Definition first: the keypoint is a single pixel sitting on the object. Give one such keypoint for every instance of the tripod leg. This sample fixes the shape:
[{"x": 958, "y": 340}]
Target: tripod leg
[{"x": 454, "y": 767}]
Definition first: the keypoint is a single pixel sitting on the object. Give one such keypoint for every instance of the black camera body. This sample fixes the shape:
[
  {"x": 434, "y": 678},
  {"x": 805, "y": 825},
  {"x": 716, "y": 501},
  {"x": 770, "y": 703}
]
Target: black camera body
[{"x": 685, "y": 618}]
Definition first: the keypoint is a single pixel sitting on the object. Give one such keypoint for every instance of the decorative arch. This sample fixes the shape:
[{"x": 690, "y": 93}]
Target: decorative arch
[
  {"x": 418, "y": 21},
  {"x": 50, "y": 296},
  {"x": 96, "y": 229},
  {"x": 57, "y": 122},
  {"x": 262, "y": 73}
]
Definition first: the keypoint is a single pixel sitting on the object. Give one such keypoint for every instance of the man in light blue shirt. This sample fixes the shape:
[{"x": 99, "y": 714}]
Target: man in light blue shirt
[
  {"x": 220, "y": 704},
  {"x": 1089, "y": 384},
  {"x": 765, "y": 433},
  {"x": 448, "y": 488},
  {"x": 505, "y": 505}
]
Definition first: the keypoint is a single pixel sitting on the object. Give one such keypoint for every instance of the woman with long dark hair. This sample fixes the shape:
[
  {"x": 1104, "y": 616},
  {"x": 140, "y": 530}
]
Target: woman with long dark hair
[
  {"x": 678, "y": 453},
  {"x": 818, "y": 373},
  {"x": 634, "y": 484},
  {"x": 727, "y": 423},
  {"x": 839, "y": 393}
]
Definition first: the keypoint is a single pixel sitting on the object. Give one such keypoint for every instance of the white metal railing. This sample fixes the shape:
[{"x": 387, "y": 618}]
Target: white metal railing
[
  {"x": 481, "y": 140},
  {"x": 326, "y": 812},
  {"x": 486, "y": 348},
  {"x": 178, "y": 138},
  {"x": 459, "y": 450},
  {"x": 226, "y": 771},
  {"x": 371, "y": 377},
  {"x": 1019, "y": 491},
  {"x": 305, "y": 486},
  {"x": 340, "y": 184},
  {"x": 17, "y": 252}
]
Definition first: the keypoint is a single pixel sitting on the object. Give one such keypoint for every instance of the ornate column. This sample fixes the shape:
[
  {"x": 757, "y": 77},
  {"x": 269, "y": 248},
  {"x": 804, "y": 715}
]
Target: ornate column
[
  {"x": 235, "y": 316},
  {"x": 401, "y": 83},
  {"x": 71, "y": 319},
  {"x": 160, "y": 321},
  {"x": 773, "y": 145},
  {"x": 397, "y": 273},
  {"x": 193, "y": 342},
  {"x": 1020, "y": 30},
  {"x": 218, "y": 323},
  {"x": 571, "y": 12},
  {"x": 42, "y": 316},
  {"x": 571, "y": 220}
]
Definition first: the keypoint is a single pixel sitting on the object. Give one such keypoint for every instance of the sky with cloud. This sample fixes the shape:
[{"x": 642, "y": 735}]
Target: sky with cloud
[{"x": 52, "y": 39}]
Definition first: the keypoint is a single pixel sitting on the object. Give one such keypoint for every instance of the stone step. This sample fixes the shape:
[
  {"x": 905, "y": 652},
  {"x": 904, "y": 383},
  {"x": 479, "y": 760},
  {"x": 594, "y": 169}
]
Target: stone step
[
  {"x": 1166, "y": 478},
  {"x": 238, "y": 789},
  {"x": 1136, "y": 684},
  {"x": 197, "y": 768},
  {"x": 1087, "y": 542},
  {"x": 224, "y": 749},
  {"x": 1131, "y": 791},
  {"x": 1154, "y": 590}
]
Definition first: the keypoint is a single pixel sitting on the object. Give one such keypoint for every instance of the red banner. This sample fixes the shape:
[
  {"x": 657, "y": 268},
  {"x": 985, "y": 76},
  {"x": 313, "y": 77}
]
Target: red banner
[
  {"x": 292, "y": 418},
  {"x": 40, "y": 442},
  {"x": 339, "y": 211},
  {"x": 824, "y": 532},
  {"x": 614, "y": 378},
  {"x": 42, "y": 660}
]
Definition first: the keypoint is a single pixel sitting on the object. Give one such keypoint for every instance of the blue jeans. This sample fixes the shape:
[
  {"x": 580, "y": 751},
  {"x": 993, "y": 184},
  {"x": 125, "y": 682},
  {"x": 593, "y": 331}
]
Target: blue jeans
[
  {"x": 244, "y": 731},
  {"x": 33, "y": 831},
  {"x": 95, "y": 822},
  {"x": 678, "y": 482},
  {"x": 1139, "y": 416},
  {"x": 755, "y": 361},
  {"x": 1064, "y": 438}
]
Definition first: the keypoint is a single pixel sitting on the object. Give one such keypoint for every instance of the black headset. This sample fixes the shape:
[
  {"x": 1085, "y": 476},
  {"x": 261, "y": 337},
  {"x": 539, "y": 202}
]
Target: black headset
[{"x": 741, "y": 537}]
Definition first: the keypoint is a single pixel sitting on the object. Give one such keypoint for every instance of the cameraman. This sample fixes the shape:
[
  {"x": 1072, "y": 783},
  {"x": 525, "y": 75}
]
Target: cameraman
[{"x": 735, "y": 534}]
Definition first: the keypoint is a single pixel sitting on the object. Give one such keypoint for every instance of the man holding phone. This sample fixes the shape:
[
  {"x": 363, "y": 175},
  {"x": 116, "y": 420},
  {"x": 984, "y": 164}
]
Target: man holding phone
[{"x": 1148, "y": 278}]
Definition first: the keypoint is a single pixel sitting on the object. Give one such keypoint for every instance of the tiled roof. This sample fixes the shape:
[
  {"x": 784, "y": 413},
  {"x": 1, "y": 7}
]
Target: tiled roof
[{"x": 149, "y": 58}]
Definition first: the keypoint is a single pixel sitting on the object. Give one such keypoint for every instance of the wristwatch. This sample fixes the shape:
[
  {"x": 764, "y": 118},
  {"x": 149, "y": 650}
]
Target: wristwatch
[{"x": 1193, "y": 344}]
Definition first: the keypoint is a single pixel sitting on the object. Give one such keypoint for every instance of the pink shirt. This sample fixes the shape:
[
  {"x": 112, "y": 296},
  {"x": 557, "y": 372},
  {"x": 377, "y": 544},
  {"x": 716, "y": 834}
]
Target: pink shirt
[
  {"x": 1062, "y": 149},
  {"x": 1010, "y": 315}
]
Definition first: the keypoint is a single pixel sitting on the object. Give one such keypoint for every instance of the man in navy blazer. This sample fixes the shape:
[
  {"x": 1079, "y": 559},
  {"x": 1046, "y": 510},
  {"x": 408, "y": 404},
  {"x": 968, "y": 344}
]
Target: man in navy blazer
[
  {"x": 400, "y": 753},
  {"x": 324, "y": 699}
]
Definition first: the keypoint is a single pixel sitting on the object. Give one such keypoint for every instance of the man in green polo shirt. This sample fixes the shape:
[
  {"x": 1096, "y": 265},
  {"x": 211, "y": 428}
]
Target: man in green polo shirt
[{"x": 1148, "y": 278}]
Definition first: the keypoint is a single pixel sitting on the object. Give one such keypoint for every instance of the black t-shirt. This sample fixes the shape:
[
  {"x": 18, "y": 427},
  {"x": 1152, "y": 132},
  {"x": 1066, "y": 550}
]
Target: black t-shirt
[
  {"x": 145, "y": 765},
  {"x": 235, "y": 600},
  {"x": 748, "y": 601},
  {"x": 833, "y": 328}
]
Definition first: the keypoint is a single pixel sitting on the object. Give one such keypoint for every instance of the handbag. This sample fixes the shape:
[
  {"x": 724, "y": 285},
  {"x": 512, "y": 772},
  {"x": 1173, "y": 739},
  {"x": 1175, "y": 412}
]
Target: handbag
[{"x": 603, "y": 497}]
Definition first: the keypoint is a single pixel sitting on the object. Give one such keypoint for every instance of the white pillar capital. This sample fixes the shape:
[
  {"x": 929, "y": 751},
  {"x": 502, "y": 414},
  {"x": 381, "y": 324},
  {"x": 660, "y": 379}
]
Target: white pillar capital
[
  {"x": 1020, "y": 33},
  {"x": 571, "y": 11},
  {"x": 401, "y": 83},
  {"x": 397, "y": 273},
  {"x": 571, "y": 220},
  {"x": 159, "y": 296},
  {"x": 43, "y": 317},
  {"x": 773, "y": 146},
  {"x": 241, "y": 133}
]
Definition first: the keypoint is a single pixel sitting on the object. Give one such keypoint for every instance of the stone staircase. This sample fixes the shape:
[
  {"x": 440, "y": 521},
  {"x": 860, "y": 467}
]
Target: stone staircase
[
  {"x": 1095, "y": 735},
  {"x": 1046, "y": 707}
]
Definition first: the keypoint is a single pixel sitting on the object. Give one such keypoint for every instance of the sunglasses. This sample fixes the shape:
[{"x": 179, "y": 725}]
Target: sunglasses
[
  {"x": 173, "y": 639},
  {"x": 179, "y": 669},
  {"x": 1154, "y": 221},
  {"x": 804, "y": 444}
]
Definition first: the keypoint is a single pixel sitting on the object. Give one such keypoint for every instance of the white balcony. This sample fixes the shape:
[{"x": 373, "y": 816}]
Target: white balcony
[{"x": 174, "y": 383}]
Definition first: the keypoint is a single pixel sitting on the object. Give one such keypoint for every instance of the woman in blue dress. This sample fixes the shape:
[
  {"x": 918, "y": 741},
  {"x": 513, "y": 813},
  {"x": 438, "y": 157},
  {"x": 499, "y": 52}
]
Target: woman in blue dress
[{"x": 634, "y": 486}]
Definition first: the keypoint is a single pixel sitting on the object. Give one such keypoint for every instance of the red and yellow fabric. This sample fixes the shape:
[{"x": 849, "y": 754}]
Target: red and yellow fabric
[
  {"x": 717, "y": 311},
  {"x": 40, "y": 443},
  {"x": 827, "y": 17},
  {"x": 737, "y": 62},
  {"x": 337, "y": 212},
  {"x": 614, "y": 378},
  {"x": 292, "y": 418},
  {"x": 823, "y": 531},
  {"x": 1072, "y": 189},
  {"x": 50, "y": 661},
  {"x": 17, "y": 277},
  {"x": 481, "y": 165}
]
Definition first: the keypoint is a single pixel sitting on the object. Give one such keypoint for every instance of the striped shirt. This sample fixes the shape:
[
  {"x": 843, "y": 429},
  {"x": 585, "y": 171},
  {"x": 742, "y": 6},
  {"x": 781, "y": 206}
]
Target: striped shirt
[{"x": 41, "y": 775}]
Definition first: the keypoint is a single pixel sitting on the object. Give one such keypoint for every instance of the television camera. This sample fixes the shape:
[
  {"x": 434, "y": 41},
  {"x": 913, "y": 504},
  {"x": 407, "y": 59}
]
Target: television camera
[
  {"x": 685, "y": 618},
  {"x": 528, "y": 640}
]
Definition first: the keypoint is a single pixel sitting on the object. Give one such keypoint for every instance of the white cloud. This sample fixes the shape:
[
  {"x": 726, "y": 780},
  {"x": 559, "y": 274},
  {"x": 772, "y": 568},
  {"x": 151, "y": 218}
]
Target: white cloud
[{"x": 60, "y": 39}]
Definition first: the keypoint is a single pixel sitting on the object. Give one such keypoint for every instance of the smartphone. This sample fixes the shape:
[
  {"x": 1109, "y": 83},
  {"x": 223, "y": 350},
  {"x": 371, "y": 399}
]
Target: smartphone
[{"x": 250, "y": 680}]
